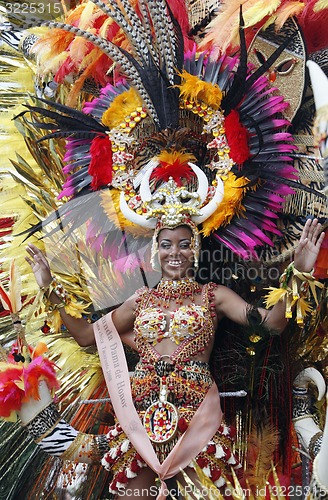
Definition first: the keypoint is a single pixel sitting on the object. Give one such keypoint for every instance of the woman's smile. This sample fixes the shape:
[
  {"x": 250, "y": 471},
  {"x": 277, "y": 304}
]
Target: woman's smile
[{"x": 175, "y": 252}]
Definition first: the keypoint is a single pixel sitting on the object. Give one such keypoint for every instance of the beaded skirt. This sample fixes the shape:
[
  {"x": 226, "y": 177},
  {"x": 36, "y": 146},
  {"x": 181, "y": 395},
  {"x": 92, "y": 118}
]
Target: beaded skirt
[{"x": 187, "y": 386}]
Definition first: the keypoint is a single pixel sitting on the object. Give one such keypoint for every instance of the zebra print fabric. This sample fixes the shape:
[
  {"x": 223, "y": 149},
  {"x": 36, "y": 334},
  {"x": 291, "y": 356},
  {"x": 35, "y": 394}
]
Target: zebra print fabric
[
  {"x": 59, "y": 439},
  {"x": 52, "y": 433}
]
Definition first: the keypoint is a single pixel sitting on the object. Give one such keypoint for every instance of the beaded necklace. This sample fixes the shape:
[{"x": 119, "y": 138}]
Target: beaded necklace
[{"x": 168, "y": 290}]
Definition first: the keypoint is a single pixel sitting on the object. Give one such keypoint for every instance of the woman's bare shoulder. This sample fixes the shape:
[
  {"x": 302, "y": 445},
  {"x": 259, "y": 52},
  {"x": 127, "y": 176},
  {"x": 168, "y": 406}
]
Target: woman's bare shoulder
[
  {"x": 124, "y": 315},
  {"x": 228, "y": 303}
]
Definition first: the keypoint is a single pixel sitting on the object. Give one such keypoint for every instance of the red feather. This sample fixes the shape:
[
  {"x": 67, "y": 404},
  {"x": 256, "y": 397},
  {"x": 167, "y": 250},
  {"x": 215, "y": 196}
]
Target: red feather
[
  {"x": 175, "y": 170},
  {"x": 237, "y": 137},
  {"x": 101, "y": 164},
  {"x": 314, "y": 27},
  {"x": 10, "y": 398},
  {"x": 39, "y": 369}
]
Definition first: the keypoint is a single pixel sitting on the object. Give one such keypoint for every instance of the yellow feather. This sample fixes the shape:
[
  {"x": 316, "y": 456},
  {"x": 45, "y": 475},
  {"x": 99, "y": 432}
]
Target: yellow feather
[
  {"x": 171, "y": 156},
  {"x": 78, "y": 49},
  {"x": 52, "y": 64},
  {"x": 51, "y": 45},
  {"x": 86, "y": 19},
  {"x": 230, "y": 205},
  {"x": 76, "y": 309},
  {"x": 304, "y": 306},
  {"x": 320, "y": 5},
  {"x": 274, "y": 296},
  {"x": 259, "y": 11},
  {"x": 261, "y": 448},
  {"x": 122, "y": 106},
  {"x": 105, "y": 26},
  {"x": 195, "y": 90},
  {"x": 223, "y": 30}
]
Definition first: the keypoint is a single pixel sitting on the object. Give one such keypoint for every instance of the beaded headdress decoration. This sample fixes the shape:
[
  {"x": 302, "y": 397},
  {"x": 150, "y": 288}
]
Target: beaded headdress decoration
[{"x": 175, "y": 137}]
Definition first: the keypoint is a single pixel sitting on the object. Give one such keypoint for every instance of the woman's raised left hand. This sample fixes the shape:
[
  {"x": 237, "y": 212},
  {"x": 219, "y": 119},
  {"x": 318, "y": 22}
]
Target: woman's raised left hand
[{"x": 307, "y": 250}]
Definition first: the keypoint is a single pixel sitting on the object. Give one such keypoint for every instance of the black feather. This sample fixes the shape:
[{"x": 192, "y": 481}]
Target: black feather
[
  {"x": 68, "y": 122},
  {"x": 73, "y": 113},
  {"x": 238, "y": 87}
]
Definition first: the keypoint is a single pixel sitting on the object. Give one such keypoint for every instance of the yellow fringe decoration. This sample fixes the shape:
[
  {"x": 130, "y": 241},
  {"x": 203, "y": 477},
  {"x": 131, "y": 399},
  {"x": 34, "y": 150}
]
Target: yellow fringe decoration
[
  {"x": 54, "y": 321},
  {"x": 293, "y": 293},
  {"x": 274, "y": 296},
  {"x": 75, "y": 309},
  {"x": 122, "y": 106},
  {"x": 231, "y": 204},
  {"x": 110, "y": 202},
  {"x": 195, "y": 90}
]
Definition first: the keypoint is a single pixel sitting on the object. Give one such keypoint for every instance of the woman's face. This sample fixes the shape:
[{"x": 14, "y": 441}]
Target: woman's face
[{"x": 175, "y": 255}]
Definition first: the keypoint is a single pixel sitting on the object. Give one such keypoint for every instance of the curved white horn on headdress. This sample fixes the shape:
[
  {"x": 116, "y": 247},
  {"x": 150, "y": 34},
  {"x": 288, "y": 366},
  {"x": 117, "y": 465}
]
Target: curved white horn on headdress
[
  {"x": 320, "y": 128},
  {"x": 311, "y": 374},
  {"x": 146, "y": 194},
  {"x": 202, "y": 182},
  {"x": 212, "y": 205},
  {"x": 132, "y": 216},
  {"x": 319, "y": 84}
]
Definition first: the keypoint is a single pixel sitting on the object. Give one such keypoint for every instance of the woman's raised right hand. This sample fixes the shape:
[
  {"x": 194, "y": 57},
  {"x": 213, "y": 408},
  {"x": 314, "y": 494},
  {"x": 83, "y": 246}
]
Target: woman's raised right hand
[{"x": 39, "y": 264}]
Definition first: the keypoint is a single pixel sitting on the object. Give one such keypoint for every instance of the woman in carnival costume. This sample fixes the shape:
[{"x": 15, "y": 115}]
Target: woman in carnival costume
[
  {"x": 172, "y": 328},
  {"x": 188, "y": 141}
]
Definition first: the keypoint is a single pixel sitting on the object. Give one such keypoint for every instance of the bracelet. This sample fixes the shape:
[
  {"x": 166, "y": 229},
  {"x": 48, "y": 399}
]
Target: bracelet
[
  {"x": 68, "y": 303},
  {"x": 295, "y": 294},
  {"x": 56, "y": 287},
  {"x": 60, "y": 291}
]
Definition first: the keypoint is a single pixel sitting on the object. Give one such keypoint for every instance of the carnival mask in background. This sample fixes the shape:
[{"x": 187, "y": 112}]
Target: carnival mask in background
[{"x": 287, "y": 73}]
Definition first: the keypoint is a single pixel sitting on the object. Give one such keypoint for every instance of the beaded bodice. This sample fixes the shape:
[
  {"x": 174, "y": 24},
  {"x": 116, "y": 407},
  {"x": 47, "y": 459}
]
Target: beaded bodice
[
  {"x": 184, "y": 322},
  {"x": 190, "y": 326}
]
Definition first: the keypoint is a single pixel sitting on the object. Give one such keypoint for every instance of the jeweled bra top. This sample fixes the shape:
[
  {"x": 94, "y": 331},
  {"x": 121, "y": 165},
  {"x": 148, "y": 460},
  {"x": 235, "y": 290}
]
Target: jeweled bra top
[{"x": 190, "y": 326}]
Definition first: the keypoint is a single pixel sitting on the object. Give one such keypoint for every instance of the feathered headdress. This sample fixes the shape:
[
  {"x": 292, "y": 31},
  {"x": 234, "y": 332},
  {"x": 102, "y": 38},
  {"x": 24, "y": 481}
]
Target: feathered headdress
[{"x": 176, "y": 134}]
